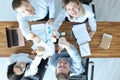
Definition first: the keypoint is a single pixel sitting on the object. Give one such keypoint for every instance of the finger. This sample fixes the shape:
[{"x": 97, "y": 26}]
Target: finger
[{"x": 60, "y": 49}]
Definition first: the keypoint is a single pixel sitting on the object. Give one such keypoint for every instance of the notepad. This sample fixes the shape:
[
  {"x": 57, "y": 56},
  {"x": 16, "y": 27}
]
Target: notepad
[
  {"x": 83, "y": 38},
  {"x": 81, "y": 33},
  {"x": 85, "y": 50},
  {"x": 106, "y": 41}
]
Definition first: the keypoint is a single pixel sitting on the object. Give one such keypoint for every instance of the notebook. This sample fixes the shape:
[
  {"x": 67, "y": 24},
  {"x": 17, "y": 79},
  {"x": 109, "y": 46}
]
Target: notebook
[
  {"x": 81, "y": 33},
  {"x": 83, "y": 38},
  {"x": 106, "y": 41},
  {"x": 85, "y": 49}
]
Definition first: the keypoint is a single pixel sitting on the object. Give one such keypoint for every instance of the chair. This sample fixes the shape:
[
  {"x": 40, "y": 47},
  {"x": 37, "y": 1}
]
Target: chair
[
  {"x": 84, "y": 76},
  {"x": 90, "y": 3},
  {"x": 42, "y": 68},
  {"x": 87, "y": 2}
]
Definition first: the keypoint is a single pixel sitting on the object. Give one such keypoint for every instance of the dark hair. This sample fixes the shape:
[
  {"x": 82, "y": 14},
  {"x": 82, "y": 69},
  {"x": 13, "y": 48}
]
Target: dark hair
[
  {"x": 17, "y": 3},
  {"x": 11, "y": 75}
]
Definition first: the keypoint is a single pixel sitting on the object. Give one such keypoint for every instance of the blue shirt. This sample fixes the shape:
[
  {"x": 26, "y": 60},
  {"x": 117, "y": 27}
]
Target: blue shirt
[
  {"x": 41, "y": 9},
  {"x": 73, "y": 58},
  {"x": 88, "y": 14}
]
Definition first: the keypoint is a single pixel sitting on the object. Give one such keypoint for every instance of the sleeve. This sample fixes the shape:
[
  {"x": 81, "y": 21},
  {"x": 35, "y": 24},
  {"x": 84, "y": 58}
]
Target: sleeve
[
  {"x": 14, "y": 57},
  {"x": 76, "y": 64},
  {"x": 32, "y": 70},
  {"x": 59, "y": 20},
  {"x": 24, "y": 27},
  {"x": 52, "y": 61},
  {"x": 91, "y": 19},
  {"x": 51, "y": 9}
]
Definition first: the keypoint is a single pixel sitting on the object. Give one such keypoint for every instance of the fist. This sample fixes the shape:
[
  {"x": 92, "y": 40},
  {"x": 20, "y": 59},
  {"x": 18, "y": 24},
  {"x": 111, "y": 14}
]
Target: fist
[
  {"x": 63, "y": 43},
  {"x": 40, "y": 50}
]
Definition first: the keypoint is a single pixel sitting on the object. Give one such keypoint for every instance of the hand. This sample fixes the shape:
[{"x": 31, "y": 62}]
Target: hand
[
  {"x": 60, "y": 49},
  {"x": 92, "y": 34},
  {"x": 63, "y": 43},
  {"x": 40, "y": 50},
  {"x": 32, "y": 56},
  {"x": 50, "y": 21},
  {"x": 53, "y": 37},
  {"x": 35, "y": 38}
]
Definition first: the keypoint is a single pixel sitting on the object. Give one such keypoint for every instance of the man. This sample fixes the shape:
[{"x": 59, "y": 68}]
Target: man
[
  {"x": 67, "y": 62},
  {"x": 32, "y": 10}
]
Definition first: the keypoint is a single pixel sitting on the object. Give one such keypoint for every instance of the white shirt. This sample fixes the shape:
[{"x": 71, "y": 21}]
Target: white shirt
[
  {"x": 23, "y": 57},
  {"x": 20, "y": 57},
  {"x": 41, "y": 9},
  {"x": 88, "y": 14}
]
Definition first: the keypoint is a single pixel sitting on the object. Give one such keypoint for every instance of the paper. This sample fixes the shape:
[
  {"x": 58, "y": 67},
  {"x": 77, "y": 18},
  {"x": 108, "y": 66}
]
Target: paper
[
  {"x": 85, "y": 50},
  {"x": 81, "y": 33},
  {"x": 106, "y": 41},
  {"x": 44, "y": 31},
  {"x": 49, "y": 48},
  {"x": 39, "y": 29}
]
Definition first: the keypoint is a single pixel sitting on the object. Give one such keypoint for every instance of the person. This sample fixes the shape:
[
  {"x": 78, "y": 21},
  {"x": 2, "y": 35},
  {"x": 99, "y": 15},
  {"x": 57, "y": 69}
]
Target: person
[
  {"x": 66, "y": 63},
  {"x": 75, "y": 11},
  {"x": 32, "y": 10},
  {"x": 23, "y": 65},
  {"x": 38, "y": 42}
]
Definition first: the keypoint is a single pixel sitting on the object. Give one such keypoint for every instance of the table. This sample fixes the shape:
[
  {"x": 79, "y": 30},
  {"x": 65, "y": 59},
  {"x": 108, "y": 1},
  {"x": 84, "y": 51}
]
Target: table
[{"x": 97, "y": 52}]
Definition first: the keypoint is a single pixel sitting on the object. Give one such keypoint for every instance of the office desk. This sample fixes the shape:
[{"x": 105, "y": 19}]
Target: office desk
[{"x": 102, "y": 27}]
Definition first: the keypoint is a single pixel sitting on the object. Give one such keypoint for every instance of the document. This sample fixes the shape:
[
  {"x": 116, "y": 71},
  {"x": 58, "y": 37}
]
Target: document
[
  {"x": 85, "y": 50},
  {"x": 44, "y": 31},
  {"x": 81, "y": 33},
  {"x": 39, "y": 29},
  {"x": 83, "y": 38}
]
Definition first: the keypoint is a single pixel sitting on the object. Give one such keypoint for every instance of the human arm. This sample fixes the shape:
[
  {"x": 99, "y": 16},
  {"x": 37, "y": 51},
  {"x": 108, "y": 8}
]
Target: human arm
[
  {"x": 91, "y": 21},
  {"x": 59, "y": 20},
  {"x": 24, "y": 26},
  {"x": 51, "y": 8},
  {"x": 72, "y": 51},
  {"x": 32, "y": 70},
  {"x": 15, "y": 57},
  {"x": 51, "y": 5}
]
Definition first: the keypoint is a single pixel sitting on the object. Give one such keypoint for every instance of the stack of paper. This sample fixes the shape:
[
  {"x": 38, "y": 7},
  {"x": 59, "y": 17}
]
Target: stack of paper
[
  {"x": 83, "y": 38},
  {"x": 40, "y": 30},
  {"x": 44, "y": 31},
  {"x": 81, "y": 33}
]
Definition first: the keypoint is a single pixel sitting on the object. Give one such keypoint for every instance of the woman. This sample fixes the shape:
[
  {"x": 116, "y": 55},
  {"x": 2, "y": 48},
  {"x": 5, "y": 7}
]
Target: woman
[
  {"x": 75, "y": 11},
  {"x": 23, "y": 65}
]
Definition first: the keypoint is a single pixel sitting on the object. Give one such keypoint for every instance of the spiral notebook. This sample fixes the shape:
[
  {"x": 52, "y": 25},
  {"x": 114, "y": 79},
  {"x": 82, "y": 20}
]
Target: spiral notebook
[
  {"x": 81, "y": 33},
  {"x": 83, "y": 38}
]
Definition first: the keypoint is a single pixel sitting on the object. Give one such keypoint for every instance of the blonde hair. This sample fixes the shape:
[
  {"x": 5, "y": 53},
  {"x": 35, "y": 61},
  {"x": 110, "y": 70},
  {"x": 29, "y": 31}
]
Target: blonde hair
[{"x": 82, "y": 11}]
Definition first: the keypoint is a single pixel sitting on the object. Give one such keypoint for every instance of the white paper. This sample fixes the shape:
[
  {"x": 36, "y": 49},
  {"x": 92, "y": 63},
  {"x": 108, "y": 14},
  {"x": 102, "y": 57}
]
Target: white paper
[
  {"x": 85, "y": 50},
  {"x": 39, "y": 29},
  {"x": 81, "y": 33},
  {"x": 44, "y": 31},
  {"x": 49, "y": 48}
]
